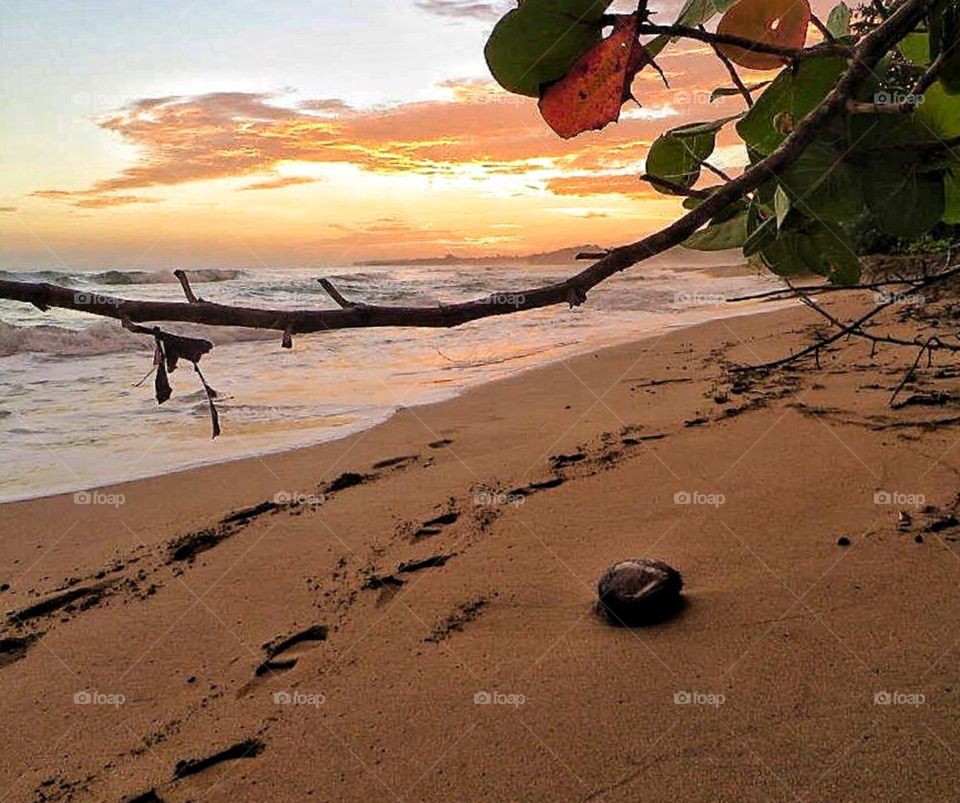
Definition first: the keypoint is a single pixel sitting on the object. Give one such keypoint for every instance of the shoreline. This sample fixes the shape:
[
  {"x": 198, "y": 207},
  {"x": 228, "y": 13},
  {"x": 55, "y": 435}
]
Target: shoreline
[
  {"x": 419, "y": 620},
  {"x": 756, "y": 309}
]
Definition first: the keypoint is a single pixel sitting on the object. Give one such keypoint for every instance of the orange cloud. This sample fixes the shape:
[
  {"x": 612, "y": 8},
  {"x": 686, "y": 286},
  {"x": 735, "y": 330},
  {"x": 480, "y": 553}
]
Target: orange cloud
[
  {"x": 280, "y": 183},
  {"x": 92, "y": 199},
  {"x": 479, "y": 128}
]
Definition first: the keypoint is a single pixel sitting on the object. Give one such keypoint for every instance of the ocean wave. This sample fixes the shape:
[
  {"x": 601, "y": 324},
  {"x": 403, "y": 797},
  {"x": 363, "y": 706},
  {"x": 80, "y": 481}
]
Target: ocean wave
[
  {"x": 99, "y": 338},
  {"x": 104, "y": 337},
  {"x": 113, "y": 278}
]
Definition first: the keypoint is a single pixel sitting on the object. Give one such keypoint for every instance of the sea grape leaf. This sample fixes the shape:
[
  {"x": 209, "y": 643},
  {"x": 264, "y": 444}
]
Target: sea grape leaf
[
  {"x": 838, "y": 23},
  {"x": 821, "y": 184},
  {"x": 782, "y": 23},
  {"x": 676, "y": 155},
  {"x": 939, "y": 113},
  {"x": 813, "y": 247},
  {"x": 905, "y": 200},
  {"x": 693, "y": 13},
  {"x": 782, "y": 205},
  {"x": 727, "y": 91},
  {"x": 794, "y": 92},
  {"x": 541, "y": 40},
  {"x": 916, "y": 48},
  {"x": 720, "y": 234},
  {"x": 592, "y": 93},
  {"x": 944, "y": 38},
  {"x": 951, "y": 212}
]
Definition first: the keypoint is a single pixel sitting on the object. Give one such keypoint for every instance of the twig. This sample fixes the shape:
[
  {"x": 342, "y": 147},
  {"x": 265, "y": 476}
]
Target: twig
[
  {"x": 327, "y": 285},
  {"x": 185, "y": 284},
  {"x": 856, "y": 328},
  {"x": 908, "y": 375},
  {"x": 787, "y": 53},
  {"x": 734, "y": 75}
]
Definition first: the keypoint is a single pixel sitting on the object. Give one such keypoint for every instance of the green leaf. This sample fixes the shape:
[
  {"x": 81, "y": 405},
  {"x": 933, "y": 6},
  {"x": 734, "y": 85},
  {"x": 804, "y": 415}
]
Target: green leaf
[
  {"x": 793, "y": 94},
  {"x": 760, "y": 231},
  {"x": 838, "y": 23},
  {"x": 916, "y": 48},
  {"x": 816, "y": 247},
  {"x": 939, "y": 113},
  {"x": 944, "y": 36},
  {"x": 782, "y": 205},
  {"x": 906, "y": 201},
  {"x": 539, "y": 42},
  {"x": 720, "y": 236},
  {"x": 822, "y": 185},
  {"x": 951, "y": 212},
  {"x": 727, "y": 91},
  {"x": 676, "y": 156}
]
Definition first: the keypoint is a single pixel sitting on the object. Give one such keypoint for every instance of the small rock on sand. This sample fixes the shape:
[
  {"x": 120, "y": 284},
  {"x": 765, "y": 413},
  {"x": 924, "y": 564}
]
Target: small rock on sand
[{"x": 843, "y": 541}]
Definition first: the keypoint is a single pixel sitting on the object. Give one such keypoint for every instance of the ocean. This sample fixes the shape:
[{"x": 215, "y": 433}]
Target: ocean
[{"x": 72, "y": 418}]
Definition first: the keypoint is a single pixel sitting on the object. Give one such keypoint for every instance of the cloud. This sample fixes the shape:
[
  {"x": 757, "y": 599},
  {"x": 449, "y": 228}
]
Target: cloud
[
  {"x": 629, "y": 185},
  {"x": 92, "y": 199},
  {"x": 280, "y": 182},
  {"x": 464, "y": 9},
  {"x": 477, "y": 132},
  {"x": 9, "y": 209}
]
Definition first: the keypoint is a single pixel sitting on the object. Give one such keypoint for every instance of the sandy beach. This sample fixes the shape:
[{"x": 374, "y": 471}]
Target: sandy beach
[{"x": 408, "y": 613}]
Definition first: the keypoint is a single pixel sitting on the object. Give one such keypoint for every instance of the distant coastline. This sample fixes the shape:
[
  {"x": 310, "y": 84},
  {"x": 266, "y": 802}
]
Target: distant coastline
[{"x": 561, "y": 256}]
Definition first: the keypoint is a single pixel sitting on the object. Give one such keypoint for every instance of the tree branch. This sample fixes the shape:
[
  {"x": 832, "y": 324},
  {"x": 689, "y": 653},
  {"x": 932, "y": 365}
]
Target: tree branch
[
  {"x": 788, "y": 53},
  {"x": 572, "y": 291}
]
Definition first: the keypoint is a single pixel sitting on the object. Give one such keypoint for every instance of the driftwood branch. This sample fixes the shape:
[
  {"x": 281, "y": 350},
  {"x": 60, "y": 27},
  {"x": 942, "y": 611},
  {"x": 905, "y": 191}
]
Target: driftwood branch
[
  {"x": 185, "y": 284},
  {"x": 863, "y": 58}
]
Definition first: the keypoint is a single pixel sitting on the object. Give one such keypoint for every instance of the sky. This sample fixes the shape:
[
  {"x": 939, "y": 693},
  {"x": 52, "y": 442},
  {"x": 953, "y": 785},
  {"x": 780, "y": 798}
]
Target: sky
[{"x": 321, "y": 132}]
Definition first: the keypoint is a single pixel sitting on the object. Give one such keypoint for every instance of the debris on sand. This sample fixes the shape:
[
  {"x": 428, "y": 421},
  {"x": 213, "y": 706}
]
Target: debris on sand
[{"x": 639, "y": 592}]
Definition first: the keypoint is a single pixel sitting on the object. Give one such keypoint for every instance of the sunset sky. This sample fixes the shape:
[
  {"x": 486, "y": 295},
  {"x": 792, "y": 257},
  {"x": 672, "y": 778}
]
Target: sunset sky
[{"x": 294, "y": 133}]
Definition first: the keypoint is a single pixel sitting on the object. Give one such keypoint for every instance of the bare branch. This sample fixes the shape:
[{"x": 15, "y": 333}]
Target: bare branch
[
  {"x": 788, "y": 53},
  {"x": 573, "y": 290},
  {"x": 731, "y": 68},
  {"x": 185, "y": 284},
  {"x": 327, "y": 285}
]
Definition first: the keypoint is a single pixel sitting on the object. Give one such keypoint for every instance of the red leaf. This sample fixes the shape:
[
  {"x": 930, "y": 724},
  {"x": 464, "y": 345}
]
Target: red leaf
[{"x": 591, "y": 94}]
